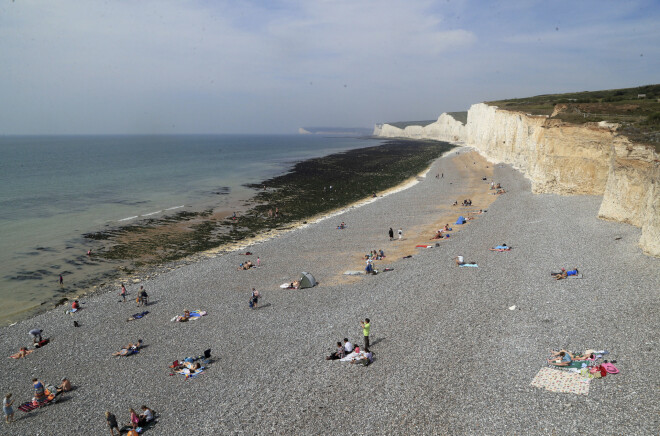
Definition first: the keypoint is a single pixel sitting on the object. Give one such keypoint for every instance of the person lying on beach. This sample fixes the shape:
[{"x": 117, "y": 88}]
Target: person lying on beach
[
  {"x": 564, "y": 274},
  {"x": 341, "y": 226},
  {"x": 439, "y": 235},
  {"x": 246, "y": 265},
  {"x": 338, "y": 353},
  {"x": 23, "y": 352},
  {"x": 500, "y": 191},
  {"x": 455, "y": 203},
  {"x": 459, "y": 260},
  {"x": 137, "y": 316},
  {"x": 502, "y": 247},
  {"x": 561, "y": 358},
  {"x": 185, "y": 317},
  {"x": 129, "y": 349}
]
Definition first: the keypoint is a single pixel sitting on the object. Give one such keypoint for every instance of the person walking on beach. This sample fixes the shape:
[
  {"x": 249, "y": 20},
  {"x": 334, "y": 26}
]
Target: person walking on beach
[
  {"x": 7, "y": 409},
  {"x": 255, "y": 298},
  {"x": 400, "y": 233},
  {"x": 112, "y": 423},
  {"x": 391, "y": 234},
  {"x": 122, "y": 293},
  {"x": 366, "y": 329},
  {"x": 258, "y": 262},
  {"x": 61, "y": 280}
]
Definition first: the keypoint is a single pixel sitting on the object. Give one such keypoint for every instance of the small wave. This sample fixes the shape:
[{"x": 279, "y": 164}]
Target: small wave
[
  {"x": 152, "y": 213},
  {"x": 129, "y": 218},
  {"x": 175, "y": 207}
]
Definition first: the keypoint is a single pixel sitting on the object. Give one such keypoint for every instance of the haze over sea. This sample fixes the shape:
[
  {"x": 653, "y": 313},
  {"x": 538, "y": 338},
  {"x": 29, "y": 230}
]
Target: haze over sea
[{"x": 53, "y": 189}]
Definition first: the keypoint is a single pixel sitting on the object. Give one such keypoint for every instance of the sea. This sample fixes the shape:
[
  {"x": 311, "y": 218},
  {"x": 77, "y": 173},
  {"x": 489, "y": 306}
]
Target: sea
[{"x": 54, "y": 189}]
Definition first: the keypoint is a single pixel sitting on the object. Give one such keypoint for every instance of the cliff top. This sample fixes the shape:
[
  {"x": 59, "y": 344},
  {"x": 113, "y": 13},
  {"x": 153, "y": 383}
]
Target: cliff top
[{"x": 636, "y": 109}]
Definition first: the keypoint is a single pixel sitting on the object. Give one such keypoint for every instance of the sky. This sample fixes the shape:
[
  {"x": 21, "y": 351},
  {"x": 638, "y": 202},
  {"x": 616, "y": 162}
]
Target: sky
[{"x": 203, "y": 66}]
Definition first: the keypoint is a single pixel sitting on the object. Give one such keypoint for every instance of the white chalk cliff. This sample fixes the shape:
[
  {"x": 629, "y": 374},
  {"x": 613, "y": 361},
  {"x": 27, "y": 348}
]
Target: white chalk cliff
[{"x": 562, "y": 158}]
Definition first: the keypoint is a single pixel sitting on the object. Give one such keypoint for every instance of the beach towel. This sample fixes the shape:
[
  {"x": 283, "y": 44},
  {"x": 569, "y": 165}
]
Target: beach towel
[
  {"x": 353, "y": 356},
  {"x": 561, "y": 381},
  {"x": 30, "y": 406},
  {"x": 423, "y": 246},
  {"x": 577, "y": 276},
  {"x": 351, "y": 273},
  {"x": 139, "y": 315},
  {"x": 189, "y": 373},
  {"x": 473, "y": 265},
  {"x": 18, "y": 355},
  {"x": 194, "y": 315}
]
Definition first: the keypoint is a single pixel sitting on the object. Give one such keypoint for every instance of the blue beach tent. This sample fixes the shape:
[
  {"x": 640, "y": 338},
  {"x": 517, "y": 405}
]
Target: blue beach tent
[{"x": 460, "y": 220}]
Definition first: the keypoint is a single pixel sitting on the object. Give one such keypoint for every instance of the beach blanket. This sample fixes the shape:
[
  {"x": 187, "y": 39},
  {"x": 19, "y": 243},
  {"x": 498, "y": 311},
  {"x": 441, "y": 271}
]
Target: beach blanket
[
  {"x": 561, "y": 381},
  {"x": 423, "y": 246},
  {"x": 18, "y": 355},
  {"x": 30, "y": 406},
  {"x": 352, "y": 273},
  {"x": 139, "y": 315},
  {"x": 353, "y": 356},
  {"x": 286, "y": 286},
  {"x": 191, "y": 373},
  {"x": 578, "y": 276},
  {"x": 473, "y": 265}
]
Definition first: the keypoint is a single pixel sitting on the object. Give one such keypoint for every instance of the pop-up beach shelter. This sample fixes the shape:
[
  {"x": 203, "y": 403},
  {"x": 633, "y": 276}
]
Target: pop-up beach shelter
[
  {"x": 307, "y": 280},
  {"x": 460, "y": 220}
]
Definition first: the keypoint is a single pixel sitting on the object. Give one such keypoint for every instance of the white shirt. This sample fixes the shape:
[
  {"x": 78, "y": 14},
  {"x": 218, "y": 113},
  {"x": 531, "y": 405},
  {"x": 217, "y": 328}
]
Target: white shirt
[
  {"x": 400, "y": 232},
  {"x": 148, "y": 416},
  {"x": 460, "y": 259},
  {"x": 348, "y": 347}
]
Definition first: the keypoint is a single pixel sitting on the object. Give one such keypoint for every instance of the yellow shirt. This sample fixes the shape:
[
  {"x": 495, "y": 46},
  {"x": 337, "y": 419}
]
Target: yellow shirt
[{"x": 365, "y": 329}]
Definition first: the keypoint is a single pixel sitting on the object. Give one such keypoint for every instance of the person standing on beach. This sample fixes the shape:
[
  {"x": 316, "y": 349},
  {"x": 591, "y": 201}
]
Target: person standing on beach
[
  {"x": 400, "y": 233},
  {"x": 366, "y": 329},
  {"x": 255, "y": 298},
  {"x": 391, "y": 234},
  {"x": 112, "y": 423},
  {"x": 7, "y": 409},
  {"x": 122, "y": 293},
  {"x": 258, "y": 262},
  {"x": 61, "y": 280}
]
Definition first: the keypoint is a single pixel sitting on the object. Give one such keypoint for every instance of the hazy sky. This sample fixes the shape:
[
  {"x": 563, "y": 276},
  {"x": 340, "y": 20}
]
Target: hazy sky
[{"x": 160, "y": 66}]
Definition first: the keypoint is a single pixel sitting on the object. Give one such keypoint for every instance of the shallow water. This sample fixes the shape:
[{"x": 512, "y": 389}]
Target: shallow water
[{"x": 54, "y": 189}]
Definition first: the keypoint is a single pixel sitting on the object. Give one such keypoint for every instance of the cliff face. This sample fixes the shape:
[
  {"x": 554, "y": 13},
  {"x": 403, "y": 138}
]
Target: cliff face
[
  {"x": 564, "y": 159},
  {"x": 446, "y": 128}
]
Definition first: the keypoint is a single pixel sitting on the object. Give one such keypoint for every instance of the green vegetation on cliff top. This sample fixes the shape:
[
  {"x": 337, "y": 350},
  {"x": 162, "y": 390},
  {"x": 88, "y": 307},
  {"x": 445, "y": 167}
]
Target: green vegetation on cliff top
[{"x": 636, "y": 109}]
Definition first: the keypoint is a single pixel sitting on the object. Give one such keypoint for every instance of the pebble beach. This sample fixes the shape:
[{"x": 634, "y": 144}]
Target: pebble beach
[{"x": 450, "y": 355}]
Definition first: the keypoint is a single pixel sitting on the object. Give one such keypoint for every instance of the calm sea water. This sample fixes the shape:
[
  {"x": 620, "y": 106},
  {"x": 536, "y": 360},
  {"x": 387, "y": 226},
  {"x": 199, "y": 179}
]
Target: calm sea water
[{"x": 54, "y": 189}]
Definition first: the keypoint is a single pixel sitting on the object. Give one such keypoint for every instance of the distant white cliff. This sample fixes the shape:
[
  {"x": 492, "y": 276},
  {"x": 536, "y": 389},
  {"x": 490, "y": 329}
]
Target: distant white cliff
[{"x": 562, "y": 158}]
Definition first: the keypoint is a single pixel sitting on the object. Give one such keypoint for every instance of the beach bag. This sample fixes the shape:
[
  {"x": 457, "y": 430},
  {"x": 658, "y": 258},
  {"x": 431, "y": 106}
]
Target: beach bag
[{"x": 610, "y": 368}]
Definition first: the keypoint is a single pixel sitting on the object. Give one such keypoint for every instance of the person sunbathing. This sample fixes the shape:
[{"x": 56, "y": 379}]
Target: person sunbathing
[
  {"x": 129, "y": 349},
  {"x": 564, "y": 274},
  {"x": 23, "y": 352},
  {"x": 295, "y": 284},
  {"x": 502, "y": 247},
  {"x": 561, "y": 358},
  {"x": 65, "y": 386},
  {"x": 185, "y": 317},
  {"x": 137, "y": 316}
]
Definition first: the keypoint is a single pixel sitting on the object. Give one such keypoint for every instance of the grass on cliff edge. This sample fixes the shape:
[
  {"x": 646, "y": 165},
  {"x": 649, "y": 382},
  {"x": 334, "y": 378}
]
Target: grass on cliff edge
[{"x": 639, "y": 116}]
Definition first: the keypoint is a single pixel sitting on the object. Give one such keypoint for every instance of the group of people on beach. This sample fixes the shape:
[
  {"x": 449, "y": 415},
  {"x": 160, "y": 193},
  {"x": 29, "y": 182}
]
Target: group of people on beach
[
  {"x": 353, "y": 353},
  {"x": 399, "y": 232},
  {"x": 135, "y": 421}
]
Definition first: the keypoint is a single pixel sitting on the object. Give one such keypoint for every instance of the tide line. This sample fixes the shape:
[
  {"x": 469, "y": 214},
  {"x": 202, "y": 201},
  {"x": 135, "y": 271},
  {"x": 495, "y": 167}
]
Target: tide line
[
  {"x": 129, "y": 218},
  {"x": 152, "y": 213},
  {"x": 176, "y": 207}
]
